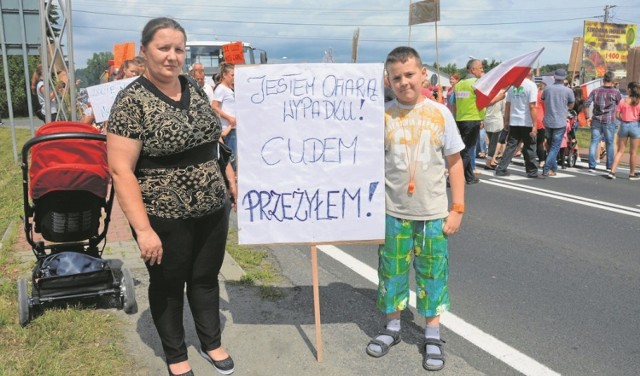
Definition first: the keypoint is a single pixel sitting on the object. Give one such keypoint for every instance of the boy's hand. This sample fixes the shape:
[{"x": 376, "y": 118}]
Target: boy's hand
[{"x": 452, "y": 223}]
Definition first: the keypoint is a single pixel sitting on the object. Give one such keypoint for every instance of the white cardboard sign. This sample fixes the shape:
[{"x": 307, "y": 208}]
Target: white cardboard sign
[
  {"x": 102, "y": 97},
  {"x": 310, "y": 153}
]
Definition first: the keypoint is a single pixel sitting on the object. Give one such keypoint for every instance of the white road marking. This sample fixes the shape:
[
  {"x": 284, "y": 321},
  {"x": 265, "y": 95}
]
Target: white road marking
[
  {"x": 511, "y": 177},
  {"x": 488, "y": 343},
  {"x": 620, "y": 209}
]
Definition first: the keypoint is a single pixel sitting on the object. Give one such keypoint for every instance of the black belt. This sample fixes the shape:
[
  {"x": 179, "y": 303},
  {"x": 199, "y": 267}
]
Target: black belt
[{"x": 202, "y": 153}]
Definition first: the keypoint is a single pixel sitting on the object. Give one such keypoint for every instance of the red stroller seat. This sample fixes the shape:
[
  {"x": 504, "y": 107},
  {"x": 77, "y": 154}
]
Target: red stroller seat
[{"x": 69, "y": 183}]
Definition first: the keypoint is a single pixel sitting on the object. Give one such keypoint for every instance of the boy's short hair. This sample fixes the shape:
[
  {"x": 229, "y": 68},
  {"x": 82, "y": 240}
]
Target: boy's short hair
[{"x": 401, "y": 55}]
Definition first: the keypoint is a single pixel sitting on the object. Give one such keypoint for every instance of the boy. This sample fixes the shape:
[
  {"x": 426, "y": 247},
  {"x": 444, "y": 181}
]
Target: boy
[{"x": 418, "y": 132}]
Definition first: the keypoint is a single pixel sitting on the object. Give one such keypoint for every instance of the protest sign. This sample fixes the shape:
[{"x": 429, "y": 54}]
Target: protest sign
[
  {"x": 122, "y": 52},
  {"x": 310, "y": 153},
  {"x": 233, "y": 53},
  {"x": 102, "y": 96}
]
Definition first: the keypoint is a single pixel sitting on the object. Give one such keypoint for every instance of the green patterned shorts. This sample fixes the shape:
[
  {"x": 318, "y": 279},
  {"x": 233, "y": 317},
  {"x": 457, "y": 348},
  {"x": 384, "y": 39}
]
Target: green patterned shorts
[{"x": 425, "y": 241}]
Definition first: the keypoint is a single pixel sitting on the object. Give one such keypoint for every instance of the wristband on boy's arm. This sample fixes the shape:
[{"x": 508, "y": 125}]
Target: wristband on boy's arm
[{"x": 458, "y": 208}]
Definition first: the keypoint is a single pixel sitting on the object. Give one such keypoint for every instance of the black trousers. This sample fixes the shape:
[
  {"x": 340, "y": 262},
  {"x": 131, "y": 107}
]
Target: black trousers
[
  {"x": 469, "y": 131},
  {"x": 516, "y": 136},
  {"x": 540, "y": 149},
  {"x": 193, "y": 251}
]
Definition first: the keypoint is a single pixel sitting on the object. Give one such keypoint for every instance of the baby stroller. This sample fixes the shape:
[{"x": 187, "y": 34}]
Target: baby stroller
[
  {"x": 67, "y": 193},
  {"x": 569, "y": 154}
]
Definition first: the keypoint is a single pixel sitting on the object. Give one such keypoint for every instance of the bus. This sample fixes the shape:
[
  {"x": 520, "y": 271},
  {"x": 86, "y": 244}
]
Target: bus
[{"x": 209, "y": 53}]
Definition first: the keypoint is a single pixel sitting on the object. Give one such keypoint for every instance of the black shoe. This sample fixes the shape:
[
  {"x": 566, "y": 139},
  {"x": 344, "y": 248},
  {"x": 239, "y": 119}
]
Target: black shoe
[
  {"x": 473, "y": 181},
  {"x": 537, "y": 177},
  {"x": 188, "y": 373},
  {"x": 505, "y": 173},
  {"x": 224, "y": 366},
  {"x": 489, "y": 167}
]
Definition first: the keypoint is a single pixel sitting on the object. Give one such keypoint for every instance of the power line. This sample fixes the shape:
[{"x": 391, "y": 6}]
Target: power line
[
  {"x": 332, "y": 25},
  {"x": 253, "y": 37}
]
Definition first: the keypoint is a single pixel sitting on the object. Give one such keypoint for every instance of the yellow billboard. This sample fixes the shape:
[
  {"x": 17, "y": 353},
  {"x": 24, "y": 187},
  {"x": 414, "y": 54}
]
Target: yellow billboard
[{"x": 606, "y": 46}]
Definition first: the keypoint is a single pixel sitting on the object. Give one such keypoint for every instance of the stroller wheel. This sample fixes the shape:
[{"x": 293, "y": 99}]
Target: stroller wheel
[
  {"x": 24, "y": 314},
  {"x": 127, "y": 292}
]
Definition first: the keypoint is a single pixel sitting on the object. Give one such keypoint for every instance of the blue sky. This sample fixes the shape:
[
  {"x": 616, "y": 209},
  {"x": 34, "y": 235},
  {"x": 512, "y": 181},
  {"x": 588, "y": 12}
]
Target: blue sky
[{"x": 305, "y": 31}]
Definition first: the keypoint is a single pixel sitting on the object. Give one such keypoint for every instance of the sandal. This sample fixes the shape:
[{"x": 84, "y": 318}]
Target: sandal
[
  {"x": 383, "y": 346},
  {"x": 427, "y": 356}
]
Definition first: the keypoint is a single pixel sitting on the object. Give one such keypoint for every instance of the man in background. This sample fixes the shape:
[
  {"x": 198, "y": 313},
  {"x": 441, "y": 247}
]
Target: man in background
[
  {"x": 605, "y": 100},
  {"x": 197, "y": 72},
  {"x": 558, "y": 100},
  {"x": 468, "y": 117},
  {"x": 520, "y": 120}
]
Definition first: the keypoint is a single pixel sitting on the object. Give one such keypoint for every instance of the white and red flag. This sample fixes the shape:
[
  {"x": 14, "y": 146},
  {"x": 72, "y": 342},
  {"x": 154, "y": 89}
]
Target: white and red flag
[{"x": 510, "y": 72}]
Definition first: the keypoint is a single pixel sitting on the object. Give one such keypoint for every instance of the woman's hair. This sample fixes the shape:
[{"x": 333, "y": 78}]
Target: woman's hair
[
  {"x": 633, "y": 90},
  {"x": 579, "y": 102},
  {"x": 157, "y": 24},
  {"x": 455, "y": 76},
  {"x": 224, "y": 68}
]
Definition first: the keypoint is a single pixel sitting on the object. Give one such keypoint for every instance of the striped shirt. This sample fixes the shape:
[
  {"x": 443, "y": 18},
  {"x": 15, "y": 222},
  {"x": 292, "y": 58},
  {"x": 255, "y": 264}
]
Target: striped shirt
[{"x": 605, "y": 99}]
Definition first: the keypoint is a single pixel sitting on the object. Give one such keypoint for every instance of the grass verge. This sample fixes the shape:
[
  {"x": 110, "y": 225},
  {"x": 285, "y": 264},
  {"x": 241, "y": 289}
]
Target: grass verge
[
  {"x": 258, "y": 270},
  {"x": 62, "y": 342}
]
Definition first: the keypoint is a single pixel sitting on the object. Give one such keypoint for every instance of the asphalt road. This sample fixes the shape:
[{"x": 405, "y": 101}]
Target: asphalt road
[{"x": 549, "y": 268}]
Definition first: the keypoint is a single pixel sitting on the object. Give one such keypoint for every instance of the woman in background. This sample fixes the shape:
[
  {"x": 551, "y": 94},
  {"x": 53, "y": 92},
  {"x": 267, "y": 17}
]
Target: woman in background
[
  {"x": 628, "y": 112},
  {"x": 224, "y": 104}
]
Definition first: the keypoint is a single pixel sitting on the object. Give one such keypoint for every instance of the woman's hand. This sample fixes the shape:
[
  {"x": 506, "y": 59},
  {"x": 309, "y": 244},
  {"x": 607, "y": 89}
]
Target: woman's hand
[{"x": 150, "y": 246}]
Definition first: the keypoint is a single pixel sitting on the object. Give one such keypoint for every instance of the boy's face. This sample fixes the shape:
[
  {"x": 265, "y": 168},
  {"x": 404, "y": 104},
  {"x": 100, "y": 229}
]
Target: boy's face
[{"x": 406, "y": 80}]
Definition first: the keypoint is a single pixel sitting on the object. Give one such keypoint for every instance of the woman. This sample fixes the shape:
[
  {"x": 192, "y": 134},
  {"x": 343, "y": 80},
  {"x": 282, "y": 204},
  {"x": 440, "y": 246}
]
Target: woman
[
  {"x": 224, "y": 104},
  {"x": 130, "y": 69},
  {"x": 53, "y": 101},
  {"x": 160, "y": 141},
  {"x": 451, "y": 99},
  {"x": 628, "y": 112},
  {"x": 494, "y": 123}
]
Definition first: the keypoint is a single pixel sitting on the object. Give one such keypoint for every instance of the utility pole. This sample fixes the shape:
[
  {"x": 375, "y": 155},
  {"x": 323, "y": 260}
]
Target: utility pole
[{"x": 606, "y": 12}]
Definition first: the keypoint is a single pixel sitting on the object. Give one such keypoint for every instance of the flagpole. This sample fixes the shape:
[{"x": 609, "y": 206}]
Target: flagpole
[
  {"x": 437, "y": 55},
  {"x": 409, "y": 42}
]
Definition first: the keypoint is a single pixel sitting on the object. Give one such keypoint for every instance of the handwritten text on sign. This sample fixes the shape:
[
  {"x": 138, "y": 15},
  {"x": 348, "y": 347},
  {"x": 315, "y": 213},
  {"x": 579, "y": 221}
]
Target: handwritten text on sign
[
  {"x": 102, "y": 97},
  {"x": 310, "y": 153}
]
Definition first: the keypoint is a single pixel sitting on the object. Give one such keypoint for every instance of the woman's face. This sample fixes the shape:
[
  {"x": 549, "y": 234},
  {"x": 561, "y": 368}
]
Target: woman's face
[
  {"x": 131, "y": 70},
  {"x": 165, "y": 55},
  {"x": 228, "y": 78}
]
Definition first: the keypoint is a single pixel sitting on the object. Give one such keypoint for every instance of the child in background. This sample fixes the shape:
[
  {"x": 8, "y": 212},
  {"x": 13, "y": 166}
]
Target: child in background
[{"x": 419, "y": 135}]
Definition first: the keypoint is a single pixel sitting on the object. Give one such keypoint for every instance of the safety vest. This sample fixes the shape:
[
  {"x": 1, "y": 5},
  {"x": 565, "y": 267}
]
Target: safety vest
[{"x": 466, "y": 109}]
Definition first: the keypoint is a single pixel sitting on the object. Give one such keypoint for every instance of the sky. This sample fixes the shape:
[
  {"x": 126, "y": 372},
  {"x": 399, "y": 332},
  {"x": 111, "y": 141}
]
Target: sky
[{"x": 311, "y": 31}]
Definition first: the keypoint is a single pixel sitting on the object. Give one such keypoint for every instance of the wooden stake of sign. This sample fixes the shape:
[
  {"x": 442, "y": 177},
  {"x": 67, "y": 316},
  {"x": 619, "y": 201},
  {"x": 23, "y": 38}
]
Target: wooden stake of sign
[{"x": 316, "y": 302}]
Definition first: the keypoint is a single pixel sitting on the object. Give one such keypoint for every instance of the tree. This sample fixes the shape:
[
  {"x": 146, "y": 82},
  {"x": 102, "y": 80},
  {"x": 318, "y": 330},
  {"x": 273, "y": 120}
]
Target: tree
[
  {"x": 96, "y": 65},
  {"x": 17, "y": 84}
]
